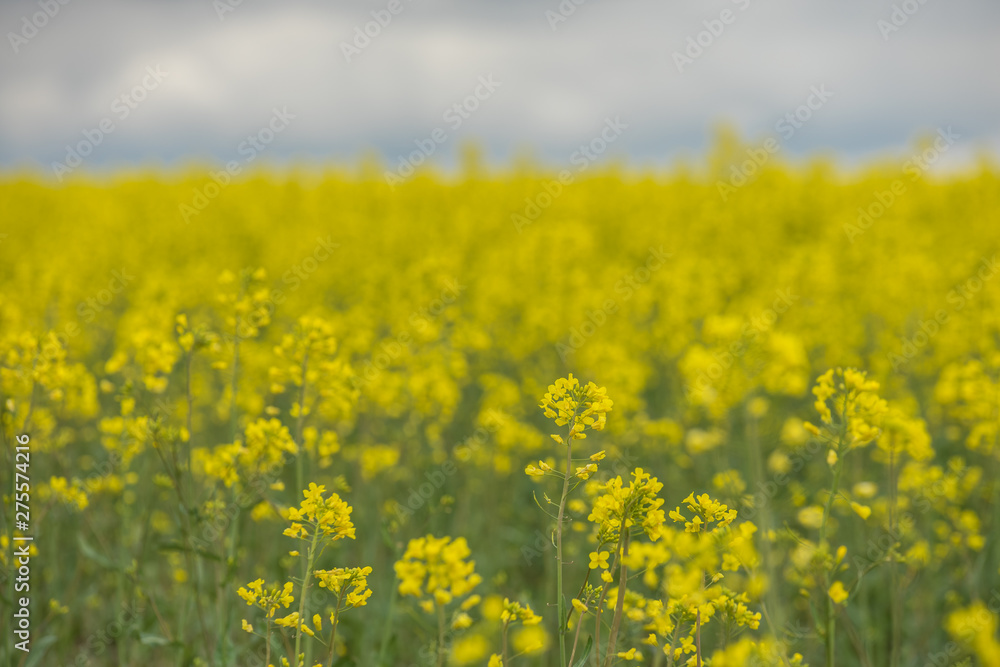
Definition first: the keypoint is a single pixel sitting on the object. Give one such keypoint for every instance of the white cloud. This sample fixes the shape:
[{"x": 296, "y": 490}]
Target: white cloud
[{"x": 557, "y": 86}]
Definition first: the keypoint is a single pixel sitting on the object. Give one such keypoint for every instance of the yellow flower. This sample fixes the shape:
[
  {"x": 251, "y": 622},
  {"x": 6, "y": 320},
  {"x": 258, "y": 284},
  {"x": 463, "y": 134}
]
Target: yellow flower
[
  {"x": 436, "y": 567},
  {"x": 599, "y": 559},
  {"x": 349, "y": 585},
  {"x": 330, "y": 516},
  {"x": 247, "y": 626},
  {"x": 837, "y": 592},
  {"x": 862, "y": 511},
  {"x": 587, "y": 406}
]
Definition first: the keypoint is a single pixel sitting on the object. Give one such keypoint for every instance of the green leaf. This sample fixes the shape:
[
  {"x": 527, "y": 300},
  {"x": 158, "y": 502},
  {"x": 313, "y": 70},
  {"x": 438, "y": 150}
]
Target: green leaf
[
  {"x": 38, "y": 649},
  {"x": 586, "y": 652},
  {"x": 154, "y": 640},
  {"x": 93, "y": 555},
  {"x": 177, "y": 546}
]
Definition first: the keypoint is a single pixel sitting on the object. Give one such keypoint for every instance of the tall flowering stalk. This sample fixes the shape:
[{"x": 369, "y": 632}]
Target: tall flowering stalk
[
  {"x": 307, "y": 361},
  {"x": 618, "y": 512},
  {"x": 319, "y": 522},
  {"x": 567, "y": 402},
  {"x": 436, "y": 570},
  {"x": 851, "y": 414}
]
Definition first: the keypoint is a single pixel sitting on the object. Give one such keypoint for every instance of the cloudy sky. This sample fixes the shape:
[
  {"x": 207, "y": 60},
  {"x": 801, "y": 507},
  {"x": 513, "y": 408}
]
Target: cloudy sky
[{"x": 670, "y": 71}]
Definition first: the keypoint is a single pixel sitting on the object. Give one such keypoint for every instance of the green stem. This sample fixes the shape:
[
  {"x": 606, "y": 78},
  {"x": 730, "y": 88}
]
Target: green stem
[
  {"x": 560, "y": 601},
  {"x": 387, "y": 629},
  {"x": 697, "y": 639},
  {"x": 440, "y": 647},
  {"x": 305, "y": 590},
  {"x": 894, "y": 583},
  {"x": 299, "y": 463},
  {"x": 233, "y": 386},
  {"x": 267, "y": 648},
  {"x": 830, "y": 618},
  {"x": 673, "y": 642},
  {"x": 503, "y": 645},
  {"x": 190, "y": 409},
  {"x": 620, "y": 602},
  {"x": 576, "y": 639},
  {"x": 336, "y": 622}
]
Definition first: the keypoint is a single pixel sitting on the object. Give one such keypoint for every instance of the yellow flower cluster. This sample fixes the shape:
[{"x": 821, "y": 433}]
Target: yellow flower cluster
[
  {"x": 515, "y": 611},
  {"x": 265, "y": 444},
  {"x": 349, "y": 584},
  {"x": 620, "y": 507},
  {"x": 855, "y": 405},
  {"x": 308, "y": 360},
  {"x": 270, "y": 599},
  {"x": 64, "y": 491},
  {"x": 405, "y": 357},
  {"x": 318, "y": 516},
  {"x": 585, "y": 406},
  {"x": 438, "y": 567},
  {"x": 706, "y": 511}
]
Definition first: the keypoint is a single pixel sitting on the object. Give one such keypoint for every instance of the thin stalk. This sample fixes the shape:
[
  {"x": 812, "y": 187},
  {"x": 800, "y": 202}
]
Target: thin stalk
[
  {"x": 600, "y": 606},
  {"x": 233, "y": 418},
  {"x": 576, "y": 639},
  {"x": 893, "y": 578},
  {"x": 267, "y": 648},
  {"x": 336, "y": 622},
  {"x": 673, "y": 643},
  {"x": 305, "y": 590},
  {"x": 620, "y": 602},
  {"x": 31, "y": 402},
  {"x": 387, "y": 629},
  {"x": 190, "y": 410},
  {"x": 440, "y": 647},
  {"x": 697, "y": 638},
  {"x": 838, "y": 468},
  {"x": 299, "y": 463},
  {"x": 561, "y": 602},
  {"x": 503, "y": 644},
  {"x": 767, "y": 554}
]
